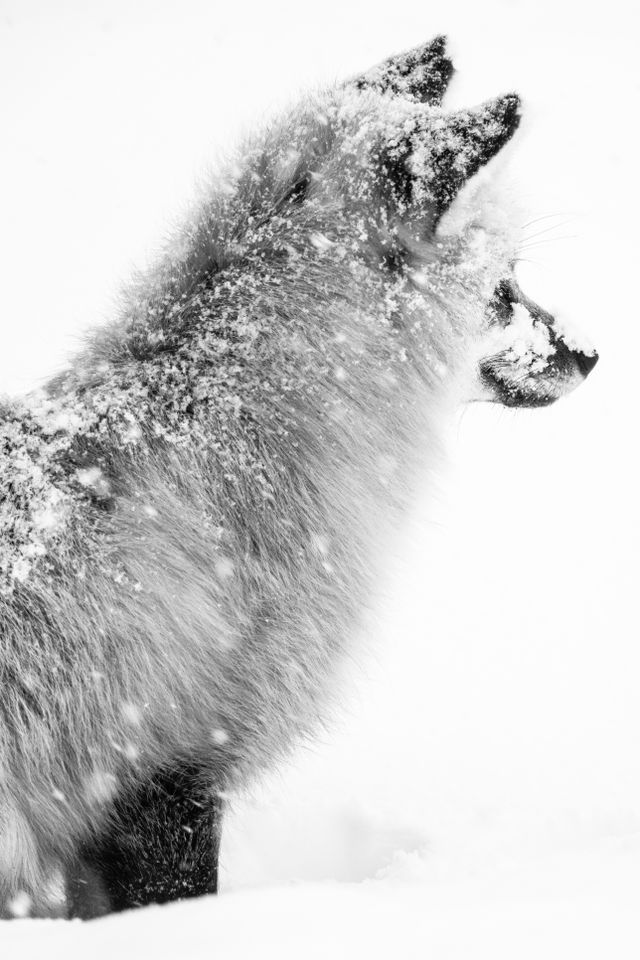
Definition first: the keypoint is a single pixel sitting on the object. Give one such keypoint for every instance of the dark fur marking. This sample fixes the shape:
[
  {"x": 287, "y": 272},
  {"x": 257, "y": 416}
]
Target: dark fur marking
[{"x": 162, "y": 844}]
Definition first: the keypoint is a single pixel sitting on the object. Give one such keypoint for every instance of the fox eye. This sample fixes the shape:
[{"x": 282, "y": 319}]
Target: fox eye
[{"x": 500, "y": 307}]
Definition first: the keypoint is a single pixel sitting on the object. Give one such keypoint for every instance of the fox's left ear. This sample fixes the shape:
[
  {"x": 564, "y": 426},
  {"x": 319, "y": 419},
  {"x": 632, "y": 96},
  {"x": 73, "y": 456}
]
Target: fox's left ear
[
  {"x": 429, "y": 163},
  {"x": 421, "y": 74}
]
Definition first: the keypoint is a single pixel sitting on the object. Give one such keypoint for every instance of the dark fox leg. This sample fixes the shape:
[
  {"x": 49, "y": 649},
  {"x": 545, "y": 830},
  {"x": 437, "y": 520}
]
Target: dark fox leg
[{"x": 162, "y": 844}]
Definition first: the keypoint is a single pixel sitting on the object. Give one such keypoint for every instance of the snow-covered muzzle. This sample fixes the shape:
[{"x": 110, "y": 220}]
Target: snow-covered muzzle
[{"x": 532, "y": 358}]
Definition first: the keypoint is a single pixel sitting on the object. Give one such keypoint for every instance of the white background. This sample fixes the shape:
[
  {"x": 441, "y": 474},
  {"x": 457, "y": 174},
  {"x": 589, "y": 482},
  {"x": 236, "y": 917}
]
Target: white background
[{"x": 483, "y": 784}]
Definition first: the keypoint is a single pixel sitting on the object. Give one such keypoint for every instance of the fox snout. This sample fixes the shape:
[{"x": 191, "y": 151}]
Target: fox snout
[{"x": 535, "y": 359}]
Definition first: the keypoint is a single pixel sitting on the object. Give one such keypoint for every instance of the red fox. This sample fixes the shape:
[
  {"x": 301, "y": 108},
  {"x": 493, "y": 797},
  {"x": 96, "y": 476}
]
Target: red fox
[{"x": 191, "y": 515}]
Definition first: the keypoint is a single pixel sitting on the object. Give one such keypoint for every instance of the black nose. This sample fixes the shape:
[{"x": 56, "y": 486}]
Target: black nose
[{"x": 585, "y": 361}]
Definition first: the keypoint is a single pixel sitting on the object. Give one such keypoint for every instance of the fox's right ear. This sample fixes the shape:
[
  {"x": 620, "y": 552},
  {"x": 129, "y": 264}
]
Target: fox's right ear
[{"x": 422, "y": 74}]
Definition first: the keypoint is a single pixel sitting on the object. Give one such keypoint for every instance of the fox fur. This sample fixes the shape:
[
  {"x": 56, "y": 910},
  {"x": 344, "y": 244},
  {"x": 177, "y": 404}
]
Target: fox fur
[{"x": 192, "y": 515}]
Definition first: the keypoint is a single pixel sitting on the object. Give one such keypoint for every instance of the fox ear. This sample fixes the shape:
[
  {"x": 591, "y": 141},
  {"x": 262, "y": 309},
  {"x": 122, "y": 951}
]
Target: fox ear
[
  {"x": 431, "y": 163},
  {"x": 422, "y": 73}
]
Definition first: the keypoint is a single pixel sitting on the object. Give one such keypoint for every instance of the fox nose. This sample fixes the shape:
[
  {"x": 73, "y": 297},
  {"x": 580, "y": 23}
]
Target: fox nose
[{"x": 585, "y": 362}]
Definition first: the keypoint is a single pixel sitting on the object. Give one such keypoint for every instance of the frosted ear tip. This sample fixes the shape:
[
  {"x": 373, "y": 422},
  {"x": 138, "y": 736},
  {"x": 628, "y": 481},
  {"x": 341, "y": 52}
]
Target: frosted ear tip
[
  {"x": 435, "y": 56},
  {"x": 438, "y": 44},
  {"x": 511, "y": 106},
  {"x": 507, "y": 110}
]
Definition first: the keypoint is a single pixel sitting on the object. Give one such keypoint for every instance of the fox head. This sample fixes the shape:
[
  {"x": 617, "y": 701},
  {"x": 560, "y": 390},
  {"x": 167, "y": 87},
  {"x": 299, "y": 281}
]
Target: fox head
[
  {"x": 528, "y": 358},
  {"x": 373, "y": 171}
]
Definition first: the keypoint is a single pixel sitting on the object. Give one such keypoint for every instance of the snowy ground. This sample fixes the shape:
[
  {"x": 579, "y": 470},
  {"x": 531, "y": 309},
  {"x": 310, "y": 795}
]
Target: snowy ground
[{"x": 480, "y": 796}]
